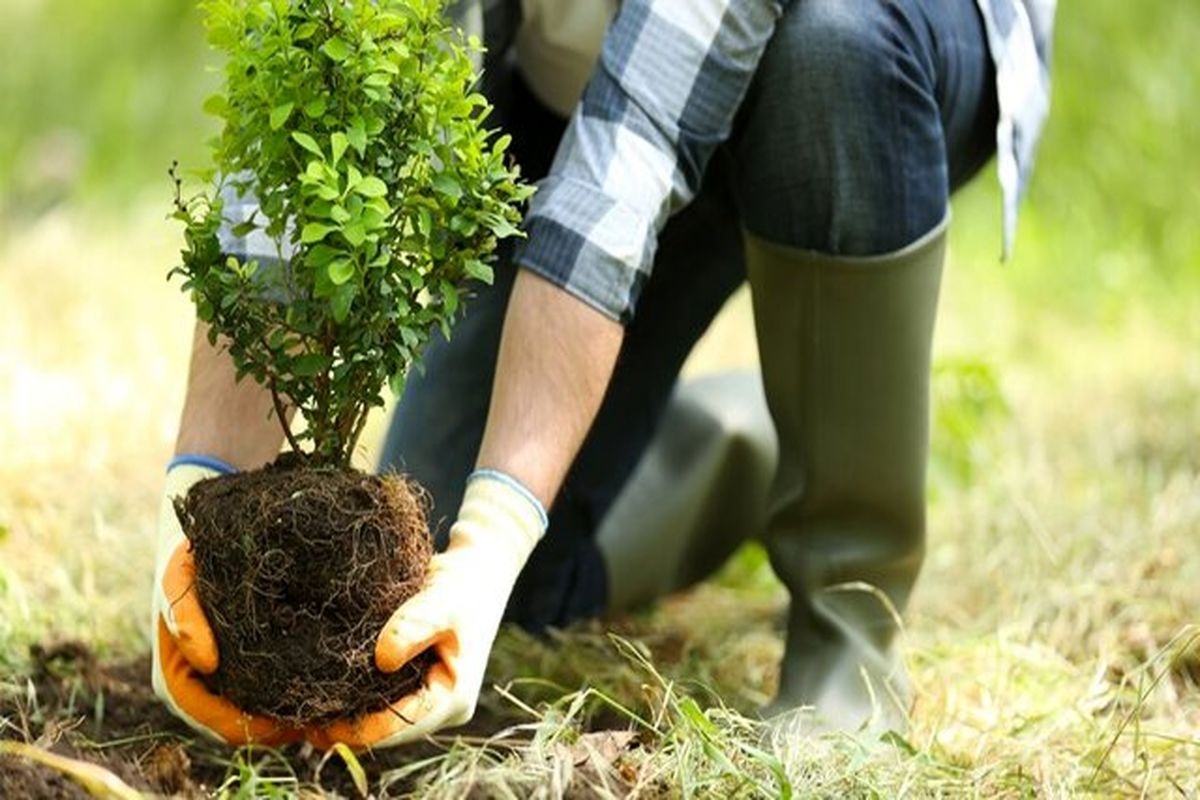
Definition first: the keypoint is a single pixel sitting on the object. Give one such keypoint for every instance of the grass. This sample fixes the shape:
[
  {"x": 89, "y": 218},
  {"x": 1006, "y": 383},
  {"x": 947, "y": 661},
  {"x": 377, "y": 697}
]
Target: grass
[{"x": 1052, "y": 641}]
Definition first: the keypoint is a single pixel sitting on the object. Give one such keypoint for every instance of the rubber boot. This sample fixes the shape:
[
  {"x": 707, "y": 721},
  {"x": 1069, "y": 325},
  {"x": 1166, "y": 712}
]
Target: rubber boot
[
  {"x": 845, "y": 348},
  {"x": 698, "y": 492}
]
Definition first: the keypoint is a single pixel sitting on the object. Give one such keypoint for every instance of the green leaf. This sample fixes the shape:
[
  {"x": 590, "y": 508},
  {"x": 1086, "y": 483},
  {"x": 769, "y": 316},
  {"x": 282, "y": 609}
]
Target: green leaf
[
  {"x": 337, "y": 49},
  {"x": 357, "y": 136},
  {"x": 371, "y": 187},
  {"x": 308, "y": 143},
  {"x": 374, "y": 124},
  {"x": 315, "y": 170},
  {"x": 355, "y": 233},
  {"x": 204, "y": 174},
  {"x": 280, "y": 114},
  {"x": 449, "y": 296},
  {"x": 341, "y": 301},
  {"x": 503, "y": 228},
  {"x": 321, "y": 255},
  {"x": 463, "y": 224},
  {"x": 338, "y": 143},
  {"x": 315, "y": 232},
  {"x": 479, "y": 271},
  {"x": 340, "y": 271},
  {"x": 310, "y": 364},
  {"x": 216, "y": 105},
  {"x": 448, "y": 185},
  {"x": 315, "y": 107},
  {"x": 396, "y": 383},
  {"x": 372, "y": 219}
]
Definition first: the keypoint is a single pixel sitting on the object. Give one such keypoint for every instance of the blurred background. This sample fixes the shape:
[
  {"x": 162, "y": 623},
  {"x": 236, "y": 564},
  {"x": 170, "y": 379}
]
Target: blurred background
[{"x": 1066, "y": 469}]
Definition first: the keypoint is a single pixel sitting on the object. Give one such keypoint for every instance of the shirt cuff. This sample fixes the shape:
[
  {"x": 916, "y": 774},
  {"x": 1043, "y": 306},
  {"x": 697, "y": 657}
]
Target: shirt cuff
[{"x": 587, "y": 243}]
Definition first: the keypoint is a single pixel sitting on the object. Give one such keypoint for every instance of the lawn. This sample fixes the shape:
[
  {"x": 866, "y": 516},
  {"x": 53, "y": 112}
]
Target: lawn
[{"x": 1053, "y": 640}]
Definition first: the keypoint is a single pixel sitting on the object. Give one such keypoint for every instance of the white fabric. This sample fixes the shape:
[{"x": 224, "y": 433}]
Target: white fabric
[
  {"x": 557, "y": 46},
  {"x": 180, "y": 478},
  {"x": 466, "y": 591}
]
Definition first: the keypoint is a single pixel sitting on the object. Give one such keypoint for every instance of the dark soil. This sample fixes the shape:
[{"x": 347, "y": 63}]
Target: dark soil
[
  {"x": 298, "y": 569},
  {"x": 107, "y": 714},
  {"x": 19, "y": 778}
]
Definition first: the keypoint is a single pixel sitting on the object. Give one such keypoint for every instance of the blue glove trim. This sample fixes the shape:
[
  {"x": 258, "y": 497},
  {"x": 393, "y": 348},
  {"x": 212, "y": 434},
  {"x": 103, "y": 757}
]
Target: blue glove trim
[
  {"x": 201, "y": 461},
  {"x": 515, "y": 485}
]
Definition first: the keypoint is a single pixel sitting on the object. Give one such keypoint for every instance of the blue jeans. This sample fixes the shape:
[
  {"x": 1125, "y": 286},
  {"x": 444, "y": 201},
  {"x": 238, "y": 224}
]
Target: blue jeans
[{"x": 862, "y": 119}]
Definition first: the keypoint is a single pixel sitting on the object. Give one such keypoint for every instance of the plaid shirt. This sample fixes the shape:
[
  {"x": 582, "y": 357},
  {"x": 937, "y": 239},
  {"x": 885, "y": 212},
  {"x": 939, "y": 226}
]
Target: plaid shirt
[{"x": 670, "y": 77}]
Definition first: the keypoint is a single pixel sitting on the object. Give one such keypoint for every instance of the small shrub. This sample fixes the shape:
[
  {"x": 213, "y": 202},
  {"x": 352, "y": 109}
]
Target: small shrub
[{"x": 355, "y": 125}]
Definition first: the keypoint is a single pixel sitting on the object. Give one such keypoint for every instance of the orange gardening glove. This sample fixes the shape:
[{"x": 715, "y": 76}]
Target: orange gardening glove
[
  {"x": 457, "y": 613},
  {"x": 183, "y": 645}
]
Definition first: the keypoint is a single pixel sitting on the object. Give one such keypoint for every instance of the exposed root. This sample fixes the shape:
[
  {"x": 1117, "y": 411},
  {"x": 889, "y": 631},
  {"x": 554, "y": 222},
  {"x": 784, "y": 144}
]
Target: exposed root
[{"x": 298, "y": 569}]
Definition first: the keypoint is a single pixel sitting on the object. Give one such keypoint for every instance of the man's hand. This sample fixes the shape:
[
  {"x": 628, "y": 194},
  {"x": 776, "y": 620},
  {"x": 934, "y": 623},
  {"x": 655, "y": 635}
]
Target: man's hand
[
  {"x": 183, "y": 645},
  {"x": 456, "y": 614}
]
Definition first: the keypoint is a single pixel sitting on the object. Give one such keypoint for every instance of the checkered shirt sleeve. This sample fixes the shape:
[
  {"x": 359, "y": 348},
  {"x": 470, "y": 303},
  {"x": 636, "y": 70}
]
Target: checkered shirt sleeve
[
  {"x": 1019, "y": 36},
  {"x": 662, "y": 98}
]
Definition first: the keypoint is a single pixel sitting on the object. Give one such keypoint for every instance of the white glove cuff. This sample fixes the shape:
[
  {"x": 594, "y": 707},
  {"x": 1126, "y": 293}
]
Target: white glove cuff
[
  {"x": 493, "y": 497},
  {"x": 182, "y": 474},
  {"x": 516, "y": 486}
]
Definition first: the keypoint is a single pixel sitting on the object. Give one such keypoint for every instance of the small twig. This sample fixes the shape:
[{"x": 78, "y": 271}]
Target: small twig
[
  {"x": 277, "y": 402},
  {"x": 281, "y": 414},
  {"x": 363, "y": 416}
]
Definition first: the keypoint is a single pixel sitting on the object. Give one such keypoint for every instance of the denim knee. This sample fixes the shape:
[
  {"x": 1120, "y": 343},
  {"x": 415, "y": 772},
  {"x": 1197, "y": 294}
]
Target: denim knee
[{"x": 838, "y": 147}]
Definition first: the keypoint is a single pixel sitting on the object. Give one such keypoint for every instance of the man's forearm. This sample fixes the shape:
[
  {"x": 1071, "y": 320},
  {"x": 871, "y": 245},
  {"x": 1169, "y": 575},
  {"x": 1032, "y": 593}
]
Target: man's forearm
[
  {"x": 556, "y": 359},
  {"x": 223, "y": 418}
]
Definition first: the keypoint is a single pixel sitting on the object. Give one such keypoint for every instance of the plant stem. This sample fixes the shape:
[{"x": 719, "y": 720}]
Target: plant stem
[
  {"x": 281, "y": 415},
  {"x": 363, "y": 414}
]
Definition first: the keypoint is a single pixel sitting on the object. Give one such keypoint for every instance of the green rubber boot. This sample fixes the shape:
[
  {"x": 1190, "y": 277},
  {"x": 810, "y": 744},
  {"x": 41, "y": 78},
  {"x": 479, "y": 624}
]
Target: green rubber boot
[
  {"x": 845, "y": 348},
  {"x": 699, "y": 491}
]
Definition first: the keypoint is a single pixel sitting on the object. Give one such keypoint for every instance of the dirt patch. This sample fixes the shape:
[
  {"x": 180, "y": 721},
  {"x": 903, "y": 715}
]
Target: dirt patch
[
  {"x": 298, "y": 569},
  {"x": 19, "y": 778},
  {"x": 107, "y": 714},
  {"x": 73, "y": 706}
]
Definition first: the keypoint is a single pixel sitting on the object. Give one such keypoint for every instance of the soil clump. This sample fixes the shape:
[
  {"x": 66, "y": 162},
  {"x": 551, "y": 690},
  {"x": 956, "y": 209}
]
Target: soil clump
[
  {"x": 298, "y": 569},
  {"x": 20, "y": 778}
]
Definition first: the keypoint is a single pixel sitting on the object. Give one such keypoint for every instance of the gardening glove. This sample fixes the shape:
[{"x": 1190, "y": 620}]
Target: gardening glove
[
  {"x": 183, "y": 645},
  {"x": 456, "y": 613}
]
